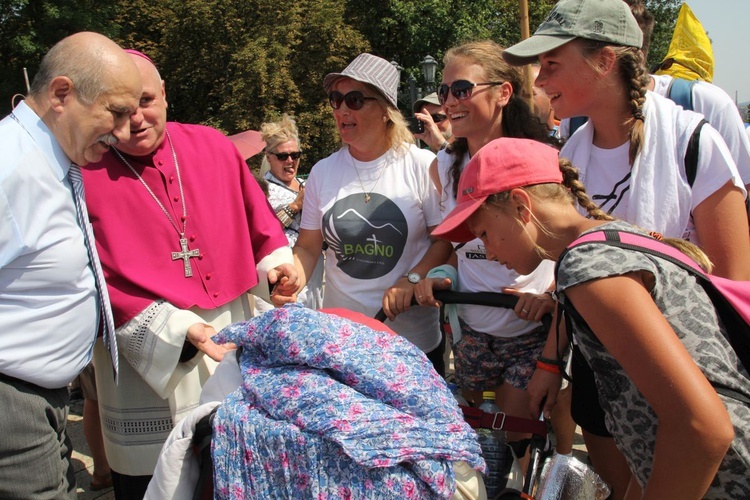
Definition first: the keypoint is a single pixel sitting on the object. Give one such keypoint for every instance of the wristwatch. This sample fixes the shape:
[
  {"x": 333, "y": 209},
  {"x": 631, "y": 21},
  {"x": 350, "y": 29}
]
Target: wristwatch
[{"x": 413, "y": 278}]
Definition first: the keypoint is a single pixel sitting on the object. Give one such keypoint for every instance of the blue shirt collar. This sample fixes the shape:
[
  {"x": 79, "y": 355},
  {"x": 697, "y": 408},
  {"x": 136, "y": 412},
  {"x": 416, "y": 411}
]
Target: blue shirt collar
[{"x": 42, "y": 136}]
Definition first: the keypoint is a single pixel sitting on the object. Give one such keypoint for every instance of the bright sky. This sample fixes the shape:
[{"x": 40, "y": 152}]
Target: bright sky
[{"x": 727, "y": 23}]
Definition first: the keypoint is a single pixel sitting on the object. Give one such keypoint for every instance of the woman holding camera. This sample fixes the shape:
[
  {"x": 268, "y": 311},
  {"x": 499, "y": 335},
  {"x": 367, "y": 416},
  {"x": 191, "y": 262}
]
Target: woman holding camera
[{"x": 372, "y": 202}]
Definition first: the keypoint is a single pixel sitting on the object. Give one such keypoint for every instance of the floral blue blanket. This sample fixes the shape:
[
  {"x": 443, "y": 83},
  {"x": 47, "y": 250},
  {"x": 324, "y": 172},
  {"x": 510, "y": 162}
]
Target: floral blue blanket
[{"x": 332, "y": 409}]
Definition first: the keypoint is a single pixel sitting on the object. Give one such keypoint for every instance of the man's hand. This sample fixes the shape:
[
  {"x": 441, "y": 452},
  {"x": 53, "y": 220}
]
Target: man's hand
[
  {"x": 199, "y": 334},
  {"x": 432, "y": 136}
]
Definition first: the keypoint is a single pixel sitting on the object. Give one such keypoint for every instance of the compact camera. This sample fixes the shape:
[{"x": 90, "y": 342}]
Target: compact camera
[{"x": 416, "y": 126}]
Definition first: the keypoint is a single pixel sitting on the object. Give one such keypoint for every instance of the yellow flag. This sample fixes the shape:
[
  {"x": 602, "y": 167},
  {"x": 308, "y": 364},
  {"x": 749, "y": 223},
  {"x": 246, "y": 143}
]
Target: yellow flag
[{"x": 690, "y": 55}]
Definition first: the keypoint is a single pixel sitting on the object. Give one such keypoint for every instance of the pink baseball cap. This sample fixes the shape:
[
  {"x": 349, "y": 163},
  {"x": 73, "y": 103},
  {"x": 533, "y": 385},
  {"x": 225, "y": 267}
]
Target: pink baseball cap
[{"x": 500, "y": 166}]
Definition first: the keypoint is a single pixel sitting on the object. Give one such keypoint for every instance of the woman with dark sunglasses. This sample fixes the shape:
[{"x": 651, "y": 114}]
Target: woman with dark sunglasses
[
  {"x": 494, "y": 349},
  {"x": 286, "y": 194},
  {"x": 374, "y": 206}
]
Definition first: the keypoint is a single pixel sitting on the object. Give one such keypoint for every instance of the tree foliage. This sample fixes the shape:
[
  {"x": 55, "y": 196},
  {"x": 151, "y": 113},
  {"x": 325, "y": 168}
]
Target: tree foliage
[
  {"x": 665, "y": 16},
  {"x": 28, "y": 28},
  {"x": 234, "y": 64}
]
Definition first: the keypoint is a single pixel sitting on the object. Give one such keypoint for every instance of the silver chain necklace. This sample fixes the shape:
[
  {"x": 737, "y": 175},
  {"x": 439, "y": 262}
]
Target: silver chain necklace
[
  {"x": 361, "y": 184},
  {"x": 185, "y": 253}
]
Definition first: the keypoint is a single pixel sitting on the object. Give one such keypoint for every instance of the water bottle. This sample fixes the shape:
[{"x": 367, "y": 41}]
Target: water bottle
[
  {"x": 493, "y": 449},
  {"x": 457, "y": 395}
]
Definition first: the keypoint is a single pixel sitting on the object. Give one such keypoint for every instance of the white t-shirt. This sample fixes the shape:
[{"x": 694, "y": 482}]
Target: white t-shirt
[
  {"x": 721, "y": 112},
  {"x": 718, "y": 109},
  {"x": 477, "y": 274},
  {"x": 607, "y": 175},
  {"x": 373, "y": 243}
]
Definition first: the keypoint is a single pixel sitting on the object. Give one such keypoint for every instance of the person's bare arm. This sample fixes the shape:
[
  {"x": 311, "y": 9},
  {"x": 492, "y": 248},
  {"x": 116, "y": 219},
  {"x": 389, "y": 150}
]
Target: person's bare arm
[
  {"x": 435, "y": 176},
  {"x": 722, "y": 227},
  {"x": 694, "y": 429},
  {"x": 544, "y": 386},
  {"x": 306, "y": 252}
]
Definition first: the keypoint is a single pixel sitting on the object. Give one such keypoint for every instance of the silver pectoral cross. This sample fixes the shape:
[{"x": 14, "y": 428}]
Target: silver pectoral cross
[{"x": 185, "y": 255}]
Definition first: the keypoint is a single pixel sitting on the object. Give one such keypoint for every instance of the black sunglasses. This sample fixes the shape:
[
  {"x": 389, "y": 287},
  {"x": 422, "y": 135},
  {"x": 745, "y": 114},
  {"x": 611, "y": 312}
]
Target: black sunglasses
[
  {"x": 354, "y": 100},
  {"x": 461, "y": 89},
  {"x": 438, "y": 117},
  {"x": 283, "y": 156}
]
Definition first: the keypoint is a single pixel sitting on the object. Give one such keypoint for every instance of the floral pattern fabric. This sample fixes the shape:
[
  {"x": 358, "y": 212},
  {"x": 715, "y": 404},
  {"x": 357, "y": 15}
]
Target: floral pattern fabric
[{"x": 332, "y": 409}]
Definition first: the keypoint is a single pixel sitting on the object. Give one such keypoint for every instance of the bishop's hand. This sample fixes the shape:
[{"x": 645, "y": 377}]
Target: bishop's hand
[{"x": 199, "y": 334}]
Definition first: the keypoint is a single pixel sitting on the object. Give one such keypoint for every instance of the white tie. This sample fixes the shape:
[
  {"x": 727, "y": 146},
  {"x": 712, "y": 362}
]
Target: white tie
[{"x": 74, "y": 174}]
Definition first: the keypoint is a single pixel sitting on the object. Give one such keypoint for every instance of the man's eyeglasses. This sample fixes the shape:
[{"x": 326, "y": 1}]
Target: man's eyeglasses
[
  {"x": 295, "y": 155},
  {"x": 438, "y": 117},
  {"x": 461, "y": 89},
  {"x": 354, "y": 100}
]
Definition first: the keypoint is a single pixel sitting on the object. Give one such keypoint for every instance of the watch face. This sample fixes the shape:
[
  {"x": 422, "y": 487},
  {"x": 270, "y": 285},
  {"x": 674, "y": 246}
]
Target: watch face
[{"x": 414, "y": 278}]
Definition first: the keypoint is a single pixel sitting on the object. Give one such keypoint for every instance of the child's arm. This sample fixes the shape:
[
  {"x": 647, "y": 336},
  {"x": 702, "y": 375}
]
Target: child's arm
[{"x": 695, "y": 430}]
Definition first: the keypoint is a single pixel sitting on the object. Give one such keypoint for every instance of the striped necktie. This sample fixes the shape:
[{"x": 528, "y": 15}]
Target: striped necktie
[{"x": 74, "y": 174}]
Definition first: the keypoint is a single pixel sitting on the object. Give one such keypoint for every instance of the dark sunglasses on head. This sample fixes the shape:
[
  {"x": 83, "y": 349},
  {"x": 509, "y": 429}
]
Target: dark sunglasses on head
[
  {"x": 354, "y": 100},
  {"x": 461, "y": 89},
  {"x": 283, "y": 156},
  {"x": 438, "y": 117}
]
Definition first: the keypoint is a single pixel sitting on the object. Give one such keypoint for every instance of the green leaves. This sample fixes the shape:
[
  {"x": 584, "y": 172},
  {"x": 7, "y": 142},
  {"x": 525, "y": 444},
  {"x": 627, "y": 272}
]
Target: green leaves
[{"x": 234, "y": 64}]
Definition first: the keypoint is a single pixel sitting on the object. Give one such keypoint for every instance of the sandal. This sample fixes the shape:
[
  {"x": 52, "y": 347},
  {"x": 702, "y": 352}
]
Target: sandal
[{"x": 100, "y": 483}]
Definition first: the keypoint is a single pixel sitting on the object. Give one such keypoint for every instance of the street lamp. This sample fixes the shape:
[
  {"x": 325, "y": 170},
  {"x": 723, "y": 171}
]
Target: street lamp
[
  {"x": 413, "y": 93},
  {"x": 429, "y": 68}
]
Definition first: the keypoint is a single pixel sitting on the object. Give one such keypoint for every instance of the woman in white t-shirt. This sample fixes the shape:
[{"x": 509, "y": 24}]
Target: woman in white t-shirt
[
  {"x": 631, "y": 155},
  {"x": 495, "y": 349},
  {"x": 374, "y": 206}
]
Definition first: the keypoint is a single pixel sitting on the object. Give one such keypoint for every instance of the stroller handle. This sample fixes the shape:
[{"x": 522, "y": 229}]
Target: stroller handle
[{"x": 490, "y": 299}]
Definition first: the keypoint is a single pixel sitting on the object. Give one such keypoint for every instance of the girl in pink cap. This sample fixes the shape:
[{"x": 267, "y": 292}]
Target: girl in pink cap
[
  {"x": 646, "y": 327},
  {"x": 494, "y": 348}
]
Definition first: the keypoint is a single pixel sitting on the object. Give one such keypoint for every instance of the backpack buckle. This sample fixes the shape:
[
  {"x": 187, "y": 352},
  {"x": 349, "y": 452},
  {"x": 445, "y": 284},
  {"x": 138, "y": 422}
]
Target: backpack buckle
[{"x": 496, "y": 427}]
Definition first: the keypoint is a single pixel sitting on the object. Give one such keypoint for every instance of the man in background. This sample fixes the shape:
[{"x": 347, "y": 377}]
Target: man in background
[{"x": 437, "y": 127}]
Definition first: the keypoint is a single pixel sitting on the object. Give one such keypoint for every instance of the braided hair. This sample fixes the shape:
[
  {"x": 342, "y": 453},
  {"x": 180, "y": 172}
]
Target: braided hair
[
  {"x": 632, "y": 67},
  {"x": 572, "y": 190}
]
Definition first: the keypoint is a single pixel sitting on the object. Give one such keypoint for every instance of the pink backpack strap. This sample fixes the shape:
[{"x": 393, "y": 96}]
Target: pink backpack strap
[
  {"x": 730, "y": 298},
  {"x": 638, "y": 242}
]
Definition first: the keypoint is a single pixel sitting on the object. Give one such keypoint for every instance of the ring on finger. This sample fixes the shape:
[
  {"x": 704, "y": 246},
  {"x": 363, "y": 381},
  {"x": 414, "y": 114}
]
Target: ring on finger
[{"x": 525, "y": 311}]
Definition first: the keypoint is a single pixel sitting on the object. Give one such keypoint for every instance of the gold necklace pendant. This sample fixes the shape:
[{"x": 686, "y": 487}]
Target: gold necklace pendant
[{"x": 361, "y": 184}]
